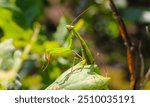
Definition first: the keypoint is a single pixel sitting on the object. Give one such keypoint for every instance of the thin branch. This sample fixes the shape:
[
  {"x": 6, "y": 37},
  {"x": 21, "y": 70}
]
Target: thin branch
[
  {"x": 122, "y": 27},
  {"x": 29, "y": 46},
  {"x": 141, "y": 62},
  {"x": 127, "y": 43},
  {"x": 147, "y": 78},
  {"x": 147, "y": 31},
  {"x": 34, "y": 37}
]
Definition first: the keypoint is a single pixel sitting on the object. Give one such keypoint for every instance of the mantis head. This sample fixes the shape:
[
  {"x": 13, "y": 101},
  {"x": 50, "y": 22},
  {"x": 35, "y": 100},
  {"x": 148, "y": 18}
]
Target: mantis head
[{"x": 69, "y": 27}]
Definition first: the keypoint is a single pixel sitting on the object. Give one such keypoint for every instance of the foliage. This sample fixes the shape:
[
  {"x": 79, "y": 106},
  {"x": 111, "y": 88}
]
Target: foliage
[
  {"x": 30, "y": 30},
  {"x": 10, "y": 61}
]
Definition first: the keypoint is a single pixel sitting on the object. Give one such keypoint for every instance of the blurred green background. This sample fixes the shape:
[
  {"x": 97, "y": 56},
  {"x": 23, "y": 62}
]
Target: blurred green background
[{"x": 99, "y": 29}]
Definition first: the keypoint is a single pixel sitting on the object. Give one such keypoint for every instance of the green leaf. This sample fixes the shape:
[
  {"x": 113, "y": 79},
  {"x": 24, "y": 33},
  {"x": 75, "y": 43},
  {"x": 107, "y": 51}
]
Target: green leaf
[
  {"x": 14, "y": 31},
  {"x": 10, "y": 61},
  {"x": 80, "y": 78},
  {"x": 31, "y": 10},
  {"x": 79, "y": 25},
  {"x": 8, "y": 55},
  {"x": 36, "y": 81},
  {"x": 113, "y": 27},
  {"x": 9, "y": 6}
]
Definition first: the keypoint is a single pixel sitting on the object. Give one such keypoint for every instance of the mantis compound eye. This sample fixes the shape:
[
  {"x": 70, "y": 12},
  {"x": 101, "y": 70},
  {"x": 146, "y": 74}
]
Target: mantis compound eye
[{"x": 69, "y": 27}]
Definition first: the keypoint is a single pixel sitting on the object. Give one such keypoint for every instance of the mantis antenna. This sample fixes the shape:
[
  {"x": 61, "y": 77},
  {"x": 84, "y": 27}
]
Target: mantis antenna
[{"x": 80, "y": 14}]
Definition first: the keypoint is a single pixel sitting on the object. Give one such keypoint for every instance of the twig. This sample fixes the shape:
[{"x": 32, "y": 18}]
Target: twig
[
  {"x": 128, "y": 44},
  {"x": 147, "y": 31},
  {"x": 146, "y": 78},
  {"x": 141, "y": 62},
  {"x": 27, "y": 49}
]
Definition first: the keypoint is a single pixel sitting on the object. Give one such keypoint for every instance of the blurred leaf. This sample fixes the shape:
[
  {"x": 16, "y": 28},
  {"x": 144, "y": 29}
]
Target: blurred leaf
[
  {"x": 32, "y": 82},
  {"x": 10, "y": 61},
  {"x": 79, "y": 24},
  {"x": 135, "y": 14},
  {"x": 147, "y": 86},
  {"x": 31, "y": 9},
  {"x": 63, "y": 61},
  {"x": 9, "y": 6},
  {"x": 13, "y": 31},
  {"x": 55, "y": 73},
  {"x": 6, "y": 53},
  {"x": 61, "y": 32},
  {"x": 118, "y": 78},
  {"x": 113, "y": 27}
]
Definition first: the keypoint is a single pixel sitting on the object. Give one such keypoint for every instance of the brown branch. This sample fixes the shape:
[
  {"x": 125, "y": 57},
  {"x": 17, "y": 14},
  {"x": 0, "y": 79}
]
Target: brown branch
[{"x": 128, "y": 44}]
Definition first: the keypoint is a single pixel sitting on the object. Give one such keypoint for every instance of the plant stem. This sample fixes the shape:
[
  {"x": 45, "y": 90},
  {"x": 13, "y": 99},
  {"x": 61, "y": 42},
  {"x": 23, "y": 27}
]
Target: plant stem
[{"x": 33, "y": 39}]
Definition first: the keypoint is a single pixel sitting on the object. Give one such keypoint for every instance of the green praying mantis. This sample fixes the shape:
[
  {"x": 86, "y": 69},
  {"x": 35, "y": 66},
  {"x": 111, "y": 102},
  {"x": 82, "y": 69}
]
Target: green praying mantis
[
  {"x": 83, "y": 75},
  {"x": 87, "y": 57}
]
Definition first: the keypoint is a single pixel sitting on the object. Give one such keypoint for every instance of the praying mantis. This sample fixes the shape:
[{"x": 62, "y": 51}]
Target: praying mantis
[
  {"x": 83, "y": 75},
  {"x": 87, "y": 57}
]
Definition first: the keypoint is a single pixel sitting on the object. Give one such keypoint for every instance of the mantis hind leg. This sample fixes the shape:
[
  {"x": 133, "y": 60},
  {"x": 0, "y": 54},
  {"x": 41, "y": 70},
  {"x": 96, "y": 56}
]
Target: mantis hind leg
[
  {"x": 68, "y": 75},
  {"x": 74, "y": 59},
  {"x": 72, "y": 70}
]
